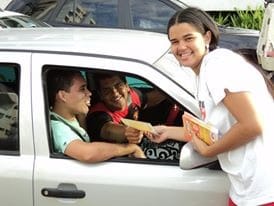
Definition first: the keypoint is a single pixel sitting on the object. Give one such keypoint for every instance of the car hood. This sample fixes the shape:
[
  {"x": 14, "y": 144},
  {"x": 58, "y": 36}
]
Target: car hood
[
  {"x": 232, "y": 37},
  {"x": 238, "y": 30}
]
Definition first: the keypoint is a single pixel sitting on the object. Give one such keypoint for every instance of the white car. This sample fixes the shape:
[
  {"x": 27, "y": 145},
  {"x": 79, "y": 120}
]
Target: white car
[
  {"x": 4, "y": 3},
  {"x": 32, "y": 174},
  {"x": 10, "y": 19}
]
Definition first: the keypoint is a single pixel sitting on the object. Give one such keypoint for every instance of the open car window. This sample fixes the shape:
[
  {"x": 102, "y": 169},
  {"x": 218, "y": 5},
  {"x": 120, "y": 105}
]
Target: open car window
[
  {"x": 166, "y": 112},
  {"x": 9, "y": 99}
]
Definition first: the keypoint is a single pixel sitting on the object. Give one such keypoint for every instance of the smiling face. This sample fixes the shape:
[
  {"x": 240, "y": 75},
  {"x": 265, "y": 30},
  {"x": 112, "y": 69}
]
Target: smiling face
[
  {"x": 114, "y": 93},
  {"x": 77, "y": 98},
  {"x": 188, "y": 45}
]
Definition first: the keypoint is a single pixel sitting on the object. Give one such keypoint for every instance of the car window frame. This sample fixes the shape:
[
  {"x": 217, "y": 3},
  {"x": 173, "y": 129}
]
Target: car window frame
[
  {"x": 58, "y": 155},
  {"x": 14, "y": 90},
  {"x": 104, "y": 62}
]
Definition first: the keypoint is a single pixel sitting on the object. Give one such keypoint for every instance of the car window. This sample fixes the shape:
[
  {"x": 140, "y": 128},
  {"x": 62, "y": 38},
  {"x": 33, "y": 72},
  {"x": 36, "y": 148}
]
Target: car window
[
  {"x": 8, "y": 108},
  {"x": 166, "y": 112},
  {"x": 40, "y": 10},
  {"x": 136, "y": 82},
  {"x": 20, "y": 22},
  {"x": 150, "y": 14},
  {"x": 90, "y": 12}
]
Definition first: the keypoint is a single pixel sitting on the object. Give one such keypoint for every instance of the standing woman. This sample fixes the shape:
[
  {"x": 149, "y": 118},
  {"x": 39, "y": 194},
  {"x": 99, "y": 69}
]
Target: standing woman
[{"x": 235, "y": 99}]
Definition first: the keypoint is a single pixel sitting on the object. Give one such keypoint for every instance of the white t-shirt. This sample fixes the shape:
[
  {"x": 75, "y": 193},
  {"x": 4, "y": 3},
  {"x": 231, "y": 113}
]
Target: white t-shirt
[{"x": 250, "y": 167}]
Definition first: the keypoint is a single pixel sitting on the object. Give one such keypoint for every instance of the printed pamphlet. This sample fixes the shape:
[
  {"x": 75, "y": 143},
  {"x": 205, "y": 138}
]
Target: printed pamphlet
[
  {"x": 142, "y": 126},
  {"x": 202, "y": 130}
]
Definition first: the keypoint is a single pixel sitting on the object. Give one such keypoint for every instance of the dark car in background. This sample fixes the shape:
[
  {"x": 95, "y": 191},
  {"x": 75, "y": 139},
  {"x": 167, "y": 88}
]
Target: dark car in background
[{"x": 148, "y": 15}]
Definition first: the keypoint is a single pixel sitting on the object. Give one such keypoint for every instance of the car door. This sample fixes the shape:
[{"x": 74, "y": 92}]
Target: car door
[
  {"x": 16, "y": 137},
  {"x": 59, "y": 180}
]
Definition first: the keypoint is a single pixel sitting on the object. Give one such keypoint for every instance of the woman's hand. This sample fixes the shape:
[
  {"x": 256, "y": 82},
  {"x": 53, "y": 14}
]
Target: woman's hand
[
  {"x": 160, "y": 134},
  {"x": 200, "y": 146}
]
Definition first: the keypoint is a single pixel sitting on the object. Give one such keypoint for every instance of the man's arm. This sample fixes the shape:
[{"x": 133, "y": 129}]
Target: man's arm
[
  {"x": 100, "y": 126},
  {"x": 113, "y": 132},
  {"x": 101, "y": 151},
  {"x": 120, "y": 133},
  {"x": 95, "y": 122}
]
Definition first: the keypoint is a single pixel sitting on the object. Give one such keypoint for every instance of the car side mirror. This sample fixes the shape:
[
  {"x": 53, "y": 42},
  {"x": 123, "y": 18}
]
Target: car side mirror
[{"x": 190, "y": 159}]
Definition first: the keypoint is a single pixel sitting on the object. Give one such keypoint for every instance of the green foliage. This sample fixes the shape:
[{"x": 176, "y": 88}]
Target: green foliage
[
  {"x": 221, "y": 19},
  {"x": 250, "y": 19}
]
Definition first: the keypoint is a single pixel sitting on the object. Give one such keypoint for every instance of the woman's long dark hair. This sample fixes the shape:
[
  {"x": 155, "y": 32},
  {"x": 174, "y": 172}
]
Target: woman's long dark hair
[
  {"x": 203, "y": 23},
  {"x": 200, "y": 20}
]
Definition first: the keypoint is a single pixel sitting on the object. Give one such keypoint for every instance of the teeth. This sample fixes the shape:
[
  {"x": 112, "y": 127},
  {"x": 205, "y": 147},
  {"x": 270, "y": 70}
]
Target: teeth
[
  {"x": 117, "y": 99},
  {"x": 184, "y": 55}
]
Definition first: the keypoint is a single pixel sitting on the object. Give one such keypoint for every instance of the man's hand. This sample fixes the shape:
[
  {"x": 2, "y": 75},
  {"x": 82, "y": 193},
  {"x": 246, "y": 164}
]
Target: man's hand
[
  {"x": 133, "y": 136},
  {"x": 138, "y": 152}
]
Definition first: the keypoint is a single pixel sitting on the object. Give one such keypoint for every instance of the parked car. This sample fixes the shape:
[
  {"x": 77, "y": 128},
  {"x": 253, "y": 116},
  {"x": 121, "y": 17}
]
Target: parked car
[
  {"x": 9, "y": 19},
  {"x": 148, "y": 15},
  {"x": 33, "y": 174},
  {"x": 4, "y": 3}
]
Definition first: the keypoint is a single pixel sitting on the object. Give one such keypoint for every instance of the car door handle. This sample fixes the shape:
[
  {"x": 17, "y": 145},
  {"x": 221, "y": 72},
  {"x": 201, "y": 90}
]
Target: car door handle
[{"x": 64, "y": 190}]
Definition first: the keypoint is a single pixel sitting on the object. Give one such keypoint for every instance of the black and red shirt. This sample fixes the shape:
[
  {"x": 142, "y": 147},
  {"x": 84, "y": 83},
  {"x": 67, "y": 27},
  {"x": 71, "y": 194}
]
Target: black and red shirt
[{"x": 99, "y": 114}]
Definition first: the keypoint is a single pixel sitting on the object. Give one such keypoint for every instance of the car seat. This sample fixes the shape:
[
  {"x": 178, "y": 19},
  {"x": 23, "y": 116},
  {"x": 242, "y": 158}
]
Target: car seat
[
  {"x": 8, "y": 113},
  {"x": 8, "y": 121}
]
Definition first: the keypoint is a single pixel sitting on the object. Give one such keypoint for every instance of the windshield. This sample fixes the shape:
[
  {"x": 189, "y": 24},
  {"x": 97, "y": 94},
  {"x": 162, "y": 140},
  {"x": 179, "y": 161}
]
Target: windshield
[
  {"x": 20, "y": 22},
  {"x": 180, "y": 3}
]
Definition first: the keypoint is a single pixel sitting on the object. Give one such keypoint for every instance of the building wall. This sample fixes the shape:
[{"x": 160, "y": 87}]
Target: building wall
[{"x": 224, "y": 5}]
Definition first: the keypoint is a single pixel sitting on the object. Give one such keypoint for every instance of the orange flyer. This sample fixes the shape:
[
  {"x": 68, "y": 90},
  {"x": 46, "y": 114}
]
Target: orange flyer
[
  {"x": 204, "y": 131},
  {"x": 142, "y": 126}
]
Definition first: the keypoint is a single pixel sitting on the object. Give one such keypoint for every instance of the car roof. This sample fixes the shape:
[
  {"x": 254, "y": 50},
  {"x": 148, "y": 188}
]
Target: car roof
[
  {"x": 5, "y": 13},
  {"x": 144, "y": 46}
]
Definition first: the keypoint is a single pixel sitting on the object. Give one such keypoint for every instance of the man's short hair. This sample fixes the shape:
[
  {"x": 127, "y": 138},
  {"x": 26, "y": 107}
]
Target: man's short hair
[
  {"x": 58, "y": 79},
  {"x": 106, "y": 75}
]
